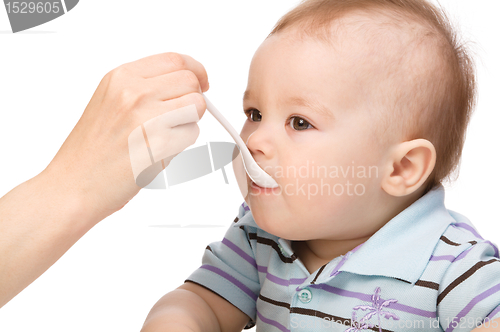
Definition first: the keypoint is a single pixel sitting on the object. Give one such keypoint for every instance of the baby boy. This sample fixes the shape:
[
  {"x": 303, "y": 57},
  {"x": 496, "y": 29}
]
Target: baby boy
[{"x": 358, "y": 109}]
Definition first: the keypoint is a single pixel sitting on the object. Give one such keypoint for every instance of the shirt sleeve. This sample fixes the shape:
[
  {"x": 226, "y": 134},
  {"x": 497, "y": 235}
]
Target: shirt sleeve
[
  {"x": 469, "y": 294},
  {"x": 229, "y": 269}
]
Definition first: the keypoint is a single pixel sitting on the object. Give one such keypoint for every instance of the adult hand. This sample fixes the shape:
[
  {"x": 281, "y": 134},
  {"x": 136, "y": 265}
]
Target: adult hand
[
  {"x": 96, "y": 157},
  {"x": 92, "y": 175}
]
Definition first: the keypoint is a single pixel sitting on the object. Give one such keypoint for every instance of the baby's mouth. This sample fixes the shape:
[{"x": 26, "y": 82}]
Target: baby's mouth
[{"x": 255, "y": 189}]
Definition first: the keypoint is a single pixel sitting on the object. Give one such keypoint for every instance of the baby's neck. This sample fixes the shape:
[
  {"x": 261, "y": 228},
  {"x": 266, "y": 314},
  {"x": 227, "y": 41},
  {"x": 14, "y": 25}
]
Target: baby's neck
[{"x": 316, "y": 253}]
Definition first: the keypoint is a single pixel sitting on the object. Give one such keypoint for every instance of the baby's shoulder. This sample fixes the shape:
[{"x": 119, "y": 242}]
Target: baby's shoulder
[{"x": 460, "y": 239}]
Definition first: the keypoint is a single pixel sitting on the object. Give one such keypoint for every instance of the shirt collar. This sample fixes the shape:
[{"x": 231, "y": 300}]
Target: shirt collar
[
  {"x": 248, "y": 220},
  {"x": 401, "y": 248}
]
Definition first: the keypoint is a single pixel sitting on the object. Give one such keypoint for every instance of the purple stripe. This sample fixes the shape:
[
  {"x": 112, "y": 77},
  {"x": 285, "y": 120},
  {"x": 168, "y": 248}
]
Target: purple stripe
[
  {"x": 492, "y": 314},
  {"x": 462, "y": 254},
  {"x": 339, "y": 265},
  {"x": 413, "y": 310},
  {"x": 471, "y": 305},
  {"x": 272, "y": 322},
  {"x": 368, "y": 298},
  {"x": 240, "y": 252},
  {"x": 344, "y": 259},
  {"x": 450, "y": 257},
  {"x": 442, "y": 258},
  {"x": 278, "y": 280},
  {"x": 469, "y": 228},
  {"x": 232, "y": 279},
  {"x": 245, "y": 207},
  {"x": 357, "y": 248}
]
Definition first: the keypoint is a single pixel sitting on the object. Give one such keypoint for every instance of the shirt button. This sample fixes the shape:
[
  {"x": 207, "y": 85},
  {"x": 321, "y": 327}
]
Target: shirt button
[
  {"x": 305, "y": 295},
  {"x": 282, "y": 250}
]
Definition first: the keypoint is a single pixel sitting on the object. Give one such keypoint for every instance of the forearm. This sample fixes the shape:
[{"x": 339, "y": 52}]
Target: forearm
[
  {"x": 39, "y": 221},
  {"x": 181, "y": 310}
]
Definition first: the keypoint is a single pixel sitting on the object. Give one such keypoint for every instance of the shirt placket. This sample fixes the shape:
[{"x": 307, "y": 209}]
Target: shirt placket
[{"x": 305, "y": 300}]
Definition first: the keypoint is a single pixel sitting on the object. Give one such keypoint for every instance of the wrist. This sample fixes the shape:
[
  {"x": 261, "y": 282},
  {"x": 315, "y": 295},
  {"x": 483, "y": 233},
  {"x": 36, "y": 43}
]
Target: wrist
[
  {"x": 99, "y": 186},
  {"x": 75, "y": 204}
]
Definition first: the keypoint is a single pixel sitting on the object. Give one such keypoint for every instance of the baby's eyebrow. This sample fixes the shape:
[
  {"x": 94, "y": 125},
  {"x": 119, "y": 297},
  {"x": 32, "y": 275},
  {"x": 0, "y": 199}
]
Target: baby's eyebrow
[
  {"x": 247, "y": 95},
  {"x": 312, "y": 103}
]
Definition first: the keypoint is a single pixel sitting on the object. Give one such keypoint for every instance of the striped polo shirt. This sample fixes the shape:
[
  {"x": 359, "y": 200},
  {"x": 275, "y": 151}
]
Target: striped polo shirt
[{"x": 427, "y": 269}]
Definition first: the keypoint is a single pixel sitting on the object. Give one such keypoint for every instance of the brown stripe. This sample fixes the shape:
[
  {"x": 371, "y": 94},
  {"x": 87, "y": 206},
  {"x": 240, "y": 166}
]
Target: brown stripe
[
  {"x": 249, "y": 325},
  {"x": 448, "y": 241},
  {"x": 274, "y": 245},
  {"x": 236, "y": 219},
  {"x": 274, "y": 302},
  {"x": 340, "y": 320},
  {"x": 208, "y": 248},
  {"x": 462, "y": 278},
  {"x": 319, "y": 314},
  {"x": 243, "y": 229},
  {"x": 317, "y": 274},
  {"x": 428, "y": 284},
  {"x": 402, "y": 280},
  {"x": 451, "y": 243}
]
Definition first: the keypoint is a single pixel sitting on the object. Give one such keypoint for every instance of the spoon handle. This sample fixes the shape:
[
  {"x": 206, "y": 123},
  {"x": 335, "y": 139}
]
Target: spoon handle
[{"x": 234, "y": 134}]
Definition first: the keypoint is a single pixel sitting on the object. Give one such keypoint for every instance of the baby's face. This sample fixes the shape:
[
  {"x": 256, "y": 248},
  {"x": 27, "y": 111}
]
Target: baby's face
[{"x": 311, "y": 127}]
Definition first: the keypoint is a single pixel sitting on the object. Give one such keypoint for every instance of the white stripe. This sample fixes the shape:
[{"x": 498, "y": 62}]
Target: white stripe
[
  {"x": 210, "y": 155},
  {"x": 64, "y": 6}
]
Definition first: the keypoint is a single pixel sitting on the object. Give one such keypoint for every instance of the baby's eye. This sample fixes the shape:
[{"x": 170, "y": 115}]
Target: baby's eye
[
  {"x": 253, "y": 115},
  {"x": 299, "y": 123}
]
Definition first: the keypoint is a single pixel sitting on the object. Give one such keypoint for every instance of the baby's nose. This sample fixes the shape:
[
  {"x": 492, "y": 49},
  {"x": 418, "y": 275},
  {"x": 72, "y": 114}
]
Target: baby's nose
[{"x": 260, "y": 143}]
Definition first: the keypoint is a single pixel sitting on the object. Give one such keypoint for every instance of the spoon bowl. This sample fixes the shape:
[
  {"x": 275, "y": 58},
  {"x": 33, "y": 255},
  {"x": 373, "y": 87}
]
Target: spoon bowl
[{"x": 256, "y": 174}]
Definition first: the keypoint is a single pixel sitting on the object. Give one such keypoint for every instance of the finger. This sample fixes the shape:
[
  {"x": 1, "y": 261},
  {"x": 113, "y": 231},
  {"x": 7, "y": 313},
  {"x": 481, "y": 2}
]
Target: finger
[
  {"x": 155, "y": 114},
  {"x": 151, "y": 151},
  {"x": 152, "y": 109},
  {"x": 164, "y": 140},
  {"x": 170, "y": 119},
  {"x": 164, "y": 63},
  {"x": 173, "y": 142},
  {"x": 172, "y": 85},
  {"x": 189, "y": 99}
]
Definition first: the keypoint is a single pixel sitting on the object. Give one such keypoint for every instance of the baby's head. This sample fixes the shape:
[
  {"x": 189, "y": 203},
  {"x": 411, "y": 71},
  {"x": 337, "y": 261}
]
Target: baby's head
[{"x": 356, "y": 108}]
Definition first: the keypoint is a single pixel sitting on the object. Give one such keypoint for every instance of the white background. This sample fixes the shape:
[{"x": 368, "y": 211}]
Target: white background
[{"x": 110, "y": 279}]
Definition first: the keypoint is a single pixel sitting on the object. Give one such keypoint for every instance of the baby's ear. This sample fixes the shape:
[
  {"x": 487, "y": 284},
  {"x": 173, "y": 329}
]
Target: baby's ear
[{"x": 407, "y": 167}]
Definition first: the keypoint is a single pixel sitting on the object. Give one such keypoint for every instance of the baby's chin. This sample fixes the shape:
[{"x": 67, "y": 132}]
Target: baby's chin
[{"x": 280, "y": 224}]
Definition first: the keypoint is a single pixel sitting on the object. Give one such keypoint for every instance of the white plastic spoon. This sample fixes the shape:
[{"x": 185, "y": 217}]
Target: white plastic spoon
[{"x": 253, "y": 170}]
